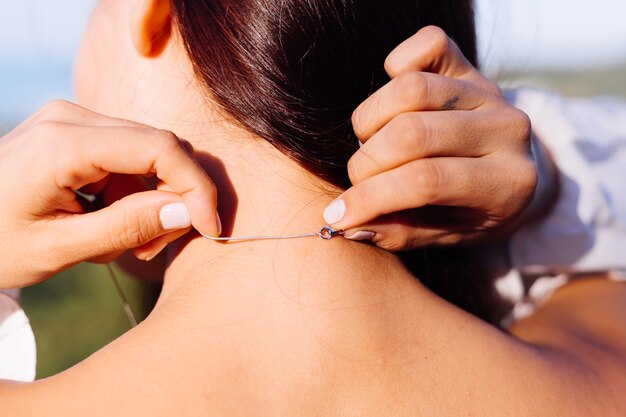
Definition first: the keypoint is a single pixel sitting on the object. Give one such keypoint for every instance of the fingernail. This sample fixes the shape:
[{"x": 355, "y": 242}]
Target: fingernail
[
  {"x": 361, "y": 235},
  {"x": 175, "y": 216},
  {"x": 335, "y": 211},
  {"x": 219, "y": 223},
  {"x": 152, "y": 256}
]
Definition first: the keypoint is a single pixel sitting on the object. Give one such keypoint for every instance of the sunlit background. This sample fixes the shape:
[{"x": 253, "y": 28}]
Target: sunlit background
[
  {"x": 38, "y": 39},
  {"x": 575, "y": 47}
]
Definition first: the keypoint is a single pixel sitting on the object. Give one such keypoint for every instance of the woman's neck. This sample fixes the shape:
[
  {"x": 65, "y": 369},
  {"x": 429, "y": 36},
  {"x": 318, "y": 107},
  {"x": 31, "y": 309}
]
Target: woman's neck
[{"x": 260, "y": 190}]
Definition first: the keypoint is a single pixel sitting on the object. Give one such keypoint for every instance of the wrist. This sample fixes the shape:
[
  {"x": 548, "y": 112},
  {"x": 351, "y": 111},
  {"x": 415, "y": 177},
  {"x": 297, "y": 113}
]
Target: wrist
[
  {"x": 548, "y": 185},
  {"x": 546, "y": 191}
]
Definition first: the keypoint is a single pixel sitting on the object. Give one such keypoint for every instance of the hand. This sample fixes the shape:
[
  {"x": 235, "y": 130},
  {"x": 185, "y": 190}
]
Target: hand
[
  {"x": 444, "y": 158},
  {"x": 64, "y": 148}
]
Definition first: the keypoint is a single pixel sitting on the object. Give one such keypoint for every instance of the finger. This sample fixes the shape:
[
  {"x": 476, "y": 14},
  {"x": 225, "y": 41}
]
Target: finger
[
  {"x": 397, "y": 237},
  {"x": 402, "y": 237},
  {"x": 430, "y": 49},
  {"x": 459, "y": 182},
  {"x": 63, "y": 111},
  {"x": 414, "y": 91},
  {"x": 427, "y": 226},
  {"x": 412, "y": 136},
  {"x": 130, "y": 150},
  {"x": 151, "y": 249},
  {"x": 66, "y": 112},
  {"x": 129, "y": 223}
]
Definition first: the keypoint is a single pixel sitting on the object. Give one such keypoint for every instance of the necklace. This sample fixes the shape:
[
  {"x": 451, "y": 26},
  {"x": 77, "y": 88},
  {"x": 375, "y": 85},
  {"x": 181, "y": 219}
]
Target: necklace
[{"x": 325, "y": 233}]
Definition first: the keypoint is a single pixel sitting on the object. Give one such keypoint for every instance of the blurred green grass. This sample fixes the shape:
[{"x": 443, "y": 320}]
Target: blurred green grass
[
  {"x": 78, "y": 311},
  {"x": 600, "y": 82}
]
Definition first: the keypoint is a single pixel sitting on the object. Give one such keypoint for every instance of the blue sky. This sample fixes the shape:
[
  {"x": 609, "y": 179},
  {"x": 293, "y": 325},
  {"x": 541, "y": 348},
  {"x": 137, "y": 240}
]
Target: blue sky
[
  {"x": 38, "y": 39},
  {"x": 557, "y": 34}
]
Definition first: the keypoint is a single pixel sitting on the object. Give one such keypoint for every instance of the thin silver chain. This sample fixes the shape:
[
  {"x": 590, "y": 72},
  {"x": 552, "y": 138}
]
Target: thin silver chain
[
  {"x": 130, "y": 314},
  {"x": 325, "y": 233}
]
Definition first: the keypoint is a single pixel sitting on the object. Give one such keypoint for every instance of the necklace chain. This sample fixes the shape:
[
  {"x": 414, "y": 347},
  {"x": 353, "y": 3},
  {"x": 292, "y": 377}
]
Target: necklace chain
[{"x": 325, "y": 233}]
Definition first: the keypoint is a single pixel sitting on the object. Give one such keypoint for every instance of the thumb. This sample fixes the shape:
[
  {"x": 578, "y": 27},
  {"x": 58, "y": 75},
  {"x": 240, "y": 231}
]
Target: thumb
[
  {"x": 398, "y": 232},
  {"x": 128, "y": 223}
]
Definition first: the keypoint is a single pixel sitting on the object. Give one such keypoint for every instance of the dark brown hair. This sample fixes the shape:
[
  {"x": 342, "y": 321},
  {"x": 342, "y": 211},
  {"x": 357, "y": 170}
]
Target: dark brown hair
[{"x": 293, "y": 71}]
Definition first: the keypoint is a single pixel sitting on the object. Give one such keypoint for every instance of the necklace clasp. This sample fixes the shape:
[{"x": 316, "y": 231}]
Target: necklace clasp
[{"x": 328, "y": 232}]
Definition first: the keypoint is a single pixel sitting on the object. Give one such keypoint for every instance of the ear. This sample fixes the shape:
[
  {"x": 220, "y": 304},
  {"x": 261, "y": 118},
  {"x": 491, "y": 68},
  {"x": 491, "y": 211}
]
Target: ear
[{"x": 151, "y": 27}]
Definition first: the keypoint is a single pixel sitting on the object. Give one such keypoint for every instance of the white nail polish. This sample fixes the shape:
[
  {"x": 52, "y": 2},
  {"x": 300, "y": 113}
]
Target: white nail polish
[
  {"x": 361, "y": 235},
  {"x": 175, "y": 216},
  {"x": 335, "y": 212}
]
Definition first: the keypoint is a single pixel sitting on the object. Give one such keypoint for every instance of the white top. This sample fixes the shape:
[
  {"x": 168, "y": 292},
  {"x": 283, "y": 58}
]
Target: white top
[
  {"x": 586, "y": 231},
  {"x": 18, "y": 354}
]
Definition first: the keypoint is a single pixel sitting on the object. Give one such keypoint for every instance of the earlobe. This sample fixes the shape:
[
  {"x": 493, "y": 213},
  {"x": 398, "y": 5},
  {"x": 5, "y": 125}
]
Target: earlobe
[{"x": 151, "y": 27}]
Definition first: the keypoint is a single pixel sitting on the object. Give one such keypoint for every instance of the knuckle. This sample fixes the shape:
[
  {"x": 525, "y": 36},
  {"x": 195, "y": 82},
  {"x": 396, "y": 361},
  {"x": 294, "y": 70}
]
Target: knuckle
[
  {"x": 527, "y": 176},
  {"x": 361, "y": 117},
  {"x": 411, "y": 87},
  {"x": 392, "y": 66},
  {"x": 522, "y": 182},
  {"x": 521, "y": 124},
  {"x": 129, "y": 238},
  {"x": 355, "y": 169},
  {"x": 408, "y": 131},
  {"x": 492, "y": 90},
  {"x": 56, "y": 109},
  {"x": 129, "y": 232},
  {"x": 168, "y": 141},
  {"x": 428, "y": 179},
  {"x": 440, "y": 42},
  {"x": 358, "y": 124}
]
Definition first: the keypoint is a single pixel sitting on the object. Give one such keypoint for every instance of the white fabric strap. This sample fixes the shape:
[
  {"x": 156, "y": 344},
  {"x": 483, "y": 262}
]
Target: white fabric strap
[{"x": 18, "y": 354}]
